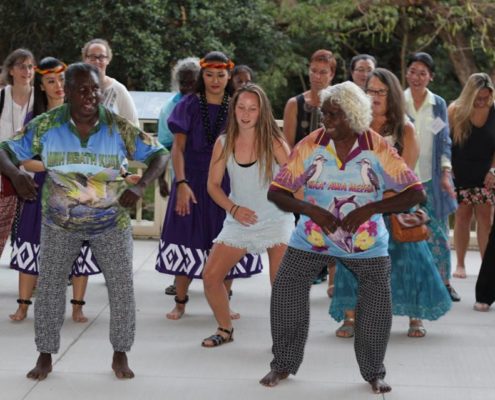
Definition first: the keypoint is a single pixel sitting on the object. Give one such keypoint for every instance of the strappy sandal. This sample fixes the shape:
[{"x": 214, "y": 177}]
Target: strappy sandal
[
  {"x": 218, "y": 340},
  {"x": 416, "y": 329},
  {"x": 347, "y": 330}
]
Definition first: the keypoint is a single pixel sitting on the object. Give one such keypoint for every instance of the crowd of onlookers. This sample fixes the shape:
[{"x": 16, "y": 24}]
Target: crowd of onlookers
[{"x": 319, "y": 196}]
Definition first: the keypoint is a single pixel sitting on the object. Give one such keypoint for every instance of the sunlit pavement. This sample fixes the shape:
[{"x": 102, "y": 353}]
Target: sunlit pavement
[{"x": 456, "y": 359}]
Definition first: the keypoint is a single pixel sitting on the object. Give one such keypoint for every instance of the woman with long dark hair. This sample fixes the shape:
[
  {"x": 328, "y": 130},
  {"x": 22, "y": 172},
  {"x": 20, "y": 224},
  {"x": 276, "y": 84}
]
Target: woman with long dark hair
[{"x": 193, "y": 219}]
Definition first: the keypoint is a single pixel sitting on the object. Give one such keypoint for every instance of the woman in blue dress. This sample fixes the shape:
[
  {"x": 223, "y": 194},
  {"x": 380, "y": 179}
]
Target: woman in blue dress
[{"x": 417, "y": 288}]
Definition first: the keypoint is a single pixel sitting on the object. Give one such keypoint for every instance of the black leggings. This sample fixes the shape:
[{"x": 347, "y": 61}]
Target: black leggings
[{"x": 485, "y": 285}]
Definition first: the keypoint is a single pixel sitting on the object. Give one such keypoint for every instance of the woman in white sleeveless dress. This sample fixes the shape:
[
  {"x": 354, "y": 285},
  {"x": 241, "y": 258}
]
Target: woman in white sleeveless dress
[{"x": 252, "y": 150}]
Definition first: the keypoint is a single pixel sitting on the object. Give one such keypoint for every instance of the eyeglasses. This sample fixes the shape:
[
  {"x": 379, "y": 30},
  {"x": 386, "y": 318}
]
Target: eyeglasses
[
  {"x": 24, "y": 67},
  {"x": 379, "y": 92},
  {"x": 363, "y": 70},
  {"x": 94, "y": 57}
]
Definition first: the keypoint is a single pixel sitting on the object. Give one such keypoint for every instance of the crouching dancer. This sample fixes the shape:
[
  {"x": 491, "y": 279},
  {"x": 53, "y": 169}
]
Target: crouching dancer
[
  {"x": 344, "y": 168},
  {"x": 83, "y": 146}
]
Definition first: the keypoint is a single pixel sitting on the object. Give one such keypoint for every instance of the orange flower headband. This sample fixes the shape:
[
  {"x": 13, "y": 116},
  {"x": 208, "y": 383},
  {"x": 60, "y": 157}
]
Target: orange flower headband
[
  {"x": 220, "y": 65},
  {"x": 55, "y": 70}
]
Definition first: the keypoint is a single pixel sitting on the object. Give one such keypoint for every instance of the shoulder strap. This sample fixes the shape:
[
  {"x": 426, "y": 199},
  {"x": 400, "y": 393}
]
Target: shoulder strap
[{"x": 2, "y": 100}]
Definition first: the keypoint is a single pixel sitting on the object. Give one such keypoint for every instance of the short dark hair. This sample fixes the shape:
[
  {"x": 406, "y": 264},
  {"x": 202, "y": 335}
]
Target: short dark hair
[
  {"x": 424, "y": 58},
  {"x": 243, "y": 68},
  {"x": 360, "y": 57},
  {"x": 325, "y": 56},
  {"x": 76, "y": 69}
]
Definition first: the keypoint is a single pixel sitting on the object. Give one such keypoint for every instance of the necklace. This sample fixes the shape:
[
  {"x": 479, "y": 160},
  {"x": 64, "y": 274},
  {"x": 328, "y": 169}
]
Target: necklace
[
  {"x": 13, "y": 113},
  {"x": 222, "y": 114}
]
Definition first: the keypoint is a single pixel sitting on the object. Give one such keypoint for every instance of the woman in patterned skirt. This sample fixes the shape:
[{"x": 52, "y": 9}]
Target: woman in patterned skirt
[{"x": 193, "y": 219}]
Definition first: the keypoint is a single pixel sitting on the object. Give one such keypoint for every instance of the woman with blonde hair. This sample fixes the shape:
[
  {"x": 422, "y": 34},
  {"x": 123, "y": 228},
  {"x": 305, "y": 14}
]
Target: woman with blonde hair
[
  {"x": 251, "y": 151},
  {"x": 193, "y": 219},
  {"x": 472, "y": 121}
]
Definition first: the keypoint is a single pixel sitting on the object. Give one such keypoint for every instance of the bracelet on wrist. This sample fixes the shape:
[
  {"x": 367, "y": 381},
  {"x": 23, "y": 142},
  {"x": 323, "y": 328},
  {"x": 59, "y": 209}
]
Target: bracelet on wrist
[
  {"x": 177, "y": 183},
  {"x": 236, "y": 208},
  {"x": 231, "y": 208}
]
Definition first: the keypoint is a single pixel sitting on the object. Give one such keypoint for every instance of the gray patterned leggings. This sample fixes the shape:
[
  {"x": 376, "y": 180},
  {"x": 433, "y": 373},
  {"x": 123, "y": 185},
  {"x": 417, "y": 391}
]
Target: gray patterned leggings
[
  {"x": 58, "y": 250},
  {"x": 290, "y": 310}
]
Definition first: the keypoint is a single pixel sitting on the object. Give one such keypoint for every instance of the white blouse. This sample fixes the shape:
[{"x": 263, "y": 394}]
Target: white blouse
[{"x": 13, "y": 115}]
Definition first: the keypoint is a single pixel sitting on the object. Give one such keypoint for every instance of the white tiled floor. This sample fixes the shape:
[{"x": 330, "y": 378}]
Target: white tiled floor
[{"x": 456, "y": 360}]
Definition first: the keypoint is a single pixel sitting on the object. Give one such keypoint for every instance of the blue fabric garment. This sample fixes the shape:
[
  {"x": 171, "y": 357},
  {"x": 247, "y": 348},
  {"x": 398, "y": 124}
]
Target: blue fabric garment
[
  {"x": 438, "y": 242},
  {"x": 443, "y": 204},
  {"x": 83, "y": 182},
  {"x": 340, "y": 186},
  {"x": 165, "y": 135},
  {"x": 417, "y": 288}
]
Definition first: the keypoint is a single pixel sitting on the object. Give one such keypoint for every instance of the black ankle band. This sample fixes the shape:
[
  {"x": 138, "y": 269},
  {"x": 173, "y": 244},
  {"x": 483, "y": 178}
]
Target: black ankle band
[
  {"x": 179, "y": 301},
  {"x": 24, "y": 301},
  {"x": 77, "y": 302}
]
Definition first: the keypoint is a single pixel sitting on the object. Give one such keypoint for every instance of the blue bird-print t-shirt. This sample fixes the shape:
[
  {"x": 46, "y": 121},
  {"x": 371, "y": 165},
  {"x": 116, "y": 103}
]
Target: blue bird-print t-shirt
[
  {"x": 340, "y": 186},
  {"x": 84, "y": 181}
]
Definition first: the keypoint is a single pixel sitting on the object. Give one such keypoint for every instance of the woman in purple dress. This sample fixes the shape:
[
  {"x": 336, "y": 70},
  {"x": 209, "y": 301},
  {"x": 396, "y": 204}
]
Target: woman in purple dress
[
  {"x": 193, "y": 219},
  {"x": 48, "y": 94}
]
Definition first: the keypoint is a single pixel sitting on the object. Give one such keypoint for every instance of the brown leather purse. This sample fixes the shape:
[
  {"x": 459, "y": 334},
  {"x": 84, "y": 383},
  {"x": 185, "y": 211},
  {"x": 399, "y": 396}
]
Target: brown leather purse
[{"x": 410, "y": 226}]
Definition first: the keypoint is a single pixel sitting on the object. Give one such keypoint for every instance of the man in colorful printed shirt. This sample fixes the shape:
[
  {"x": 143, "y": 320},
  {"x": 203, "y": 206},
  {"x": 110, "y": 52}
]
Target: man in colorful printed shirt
[
  {"x": 345, "y": 168},
  {"x": 83, "y": 147}
]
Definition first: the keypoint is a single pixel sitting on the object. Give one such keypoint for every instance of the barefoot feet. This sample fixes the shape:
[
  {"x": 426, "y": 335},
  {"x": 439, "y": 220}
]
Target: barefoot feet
[
  {"x": 43, "y": 367},
  {"x": 120, "y": 366},
  {"x": 77, "y": 314},
  {"x": 273, "y": 378},
  {"x": 179, "y": 309},
  {"x": 380, "y": 386},
  {"x": 483, "y": 307},
  {"x": 234, "y": 315},
  {"x": 460, "y": 272},
  {"x": 20, "y": 314},
  {"x": 177, "y": 312}
]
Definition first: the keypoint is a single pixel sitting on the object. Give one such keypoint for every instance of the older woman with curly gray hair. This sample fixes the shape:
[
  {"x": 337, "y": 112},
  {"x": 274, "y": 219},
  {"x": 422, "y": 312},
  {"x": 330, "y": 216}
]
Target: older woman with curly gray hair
[{"x": 344, "y": 168}]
